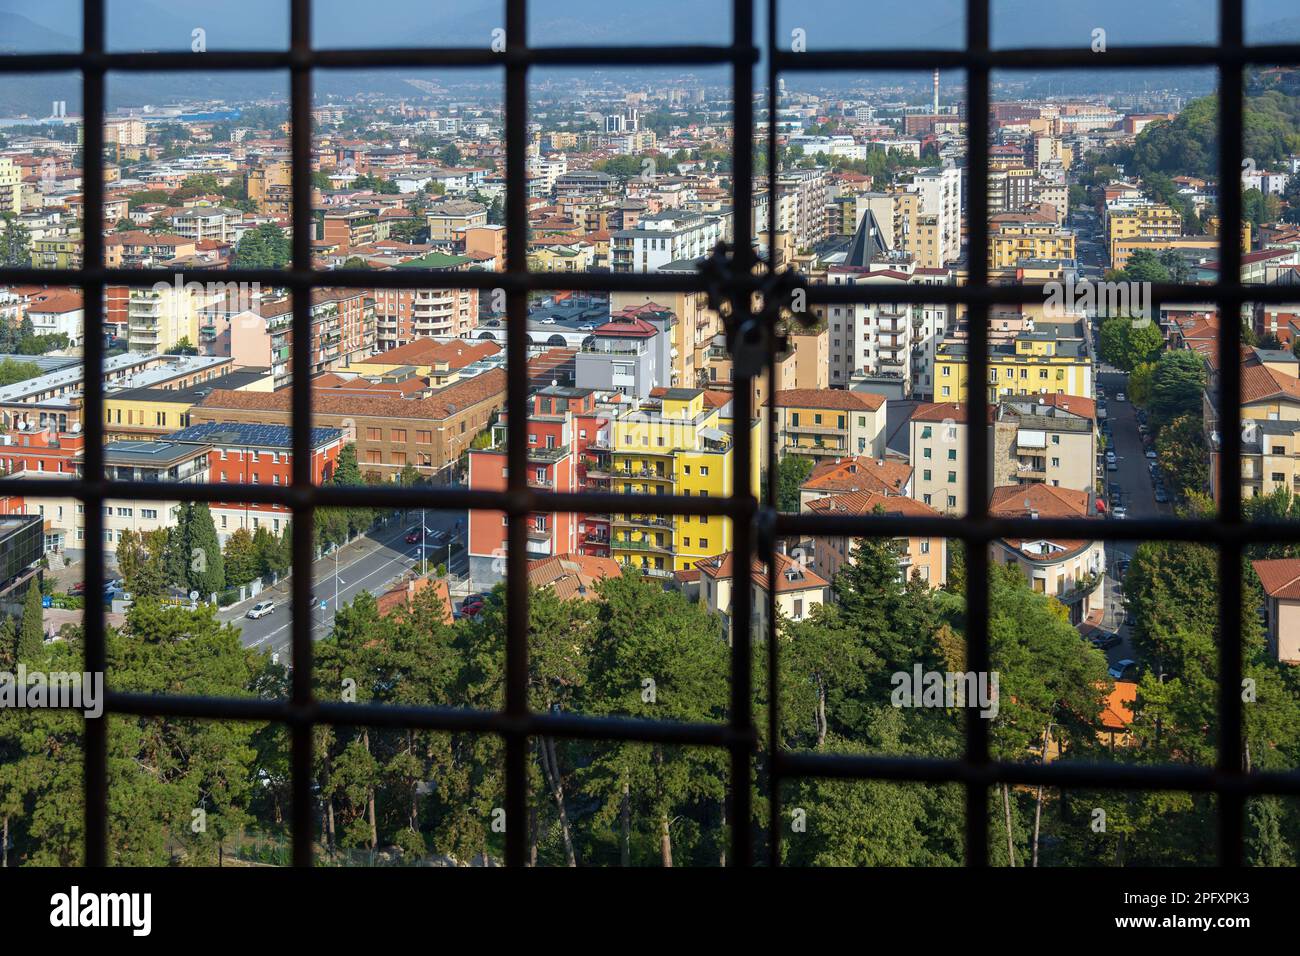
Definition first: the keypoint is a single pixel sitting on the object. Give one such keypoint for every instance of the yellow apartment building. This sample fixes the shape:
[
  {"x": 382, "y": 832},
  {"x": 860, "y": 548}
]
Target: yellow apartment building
[
  {"x": 1042, "y": 362},
  {"x": 1014, "y": 237},
  {"x": 676, "y": 445},
  {"x": 1156, "y": 221}
]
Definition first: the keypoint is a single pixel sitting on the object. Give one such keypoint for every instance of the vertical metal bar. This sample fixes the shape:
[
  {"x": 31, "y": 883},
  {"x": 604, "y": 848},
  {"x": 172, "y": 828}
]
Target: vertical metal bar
[
  {"x": 742, "y": 718},
  {"x": 300, "y": 357},
  {"x": 1231, "y": 104},
  {"x": 92, "y": 416},
  {"x": 516, "y": 690},
  {"x": 977, "y": 407},
  {"x": 773, "y": 491}
]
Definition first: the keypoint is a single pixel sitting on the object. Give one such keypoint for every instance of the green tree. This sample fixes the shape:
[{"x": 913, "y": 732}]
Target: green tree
[
  {"x": 1181, "y": 451},
  {"x": 240, "y": 558},
  {"x": 15, "y": 243},
  {"x": 1176, "y": 386},
  {"x": 792, "y": 471},
  {"x": 266, "y": 247},
  {"x": 31, "y": 630}
]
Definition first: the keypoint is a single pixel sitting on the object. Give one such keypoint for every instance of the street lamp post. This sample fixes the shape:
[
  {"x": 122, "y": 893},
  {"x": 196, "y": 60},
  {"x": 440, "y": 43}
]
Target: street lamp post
[{"x": 424, "y": 546}]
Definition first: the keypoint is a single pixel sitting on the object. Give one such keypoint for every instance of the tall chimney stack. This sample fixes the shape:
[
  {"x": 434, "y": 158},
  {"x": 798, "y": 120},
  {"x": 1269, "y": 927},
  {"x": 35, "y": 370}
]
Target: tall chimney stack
[{"x": 936, "y": 91}]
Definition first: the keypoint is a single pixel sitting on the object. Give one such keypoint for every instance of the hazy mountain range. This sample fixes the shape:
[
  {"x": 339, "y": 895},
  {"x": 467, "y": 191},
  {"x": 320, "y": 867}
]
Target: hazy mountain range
[{"x": 141, "y": 25}]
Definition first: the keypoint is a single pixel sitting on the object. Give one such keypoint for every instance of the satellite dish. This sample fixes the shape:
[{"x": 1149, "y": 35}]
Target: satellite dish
[
  {"x": 76, "y": 428},
  {"x": 194, "y": 595}
]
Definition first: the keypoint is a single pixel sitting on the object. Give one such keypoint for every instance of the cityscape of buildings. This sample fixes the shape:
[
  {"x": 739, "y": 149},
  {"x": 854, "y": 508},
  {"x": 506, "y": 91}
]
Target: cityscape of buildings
[{"x": 1099, "y": 408}]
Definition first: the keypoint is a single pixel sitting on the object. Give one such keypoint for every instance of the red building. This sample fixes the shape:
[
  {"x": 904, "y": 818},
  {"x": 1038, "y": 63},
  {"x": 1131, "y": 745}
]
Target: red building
[
  {"x": 41, "y": 451},
  {"x": 563, "y": 424},
  {"x": 249, "y": 454}
]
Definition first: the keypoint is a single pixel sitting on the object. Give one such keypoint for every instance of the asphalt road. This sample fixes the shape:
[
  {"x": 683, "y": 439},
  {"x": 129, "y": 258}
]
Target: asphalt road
[
  {"x": 373, "y": 562},
  {"x": 1139, "y": 497}
]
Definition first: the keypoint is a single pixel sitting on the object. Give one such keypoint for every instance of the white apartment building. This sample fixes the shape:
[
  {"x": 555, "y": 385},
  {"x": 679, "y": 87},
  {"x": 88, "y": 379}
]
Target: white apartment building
[
  {"x": 883, "y": 339},
  {"x": 666, "y": 237},
  {"x": 940, "y": 193},
  {"x": 803, "y": 215}
]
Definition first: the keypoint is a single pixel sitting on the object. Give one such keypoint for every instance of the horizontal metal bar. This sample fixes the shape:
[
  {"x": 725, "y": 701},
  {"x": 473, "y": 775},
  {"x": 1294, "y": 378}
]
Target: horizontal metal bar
[
  {"x": 785, "y": 764},
  {"x": 1203, "y": 530},
  {"x": 448, "y": 719},
  {"x": 212, "y": 61},
  {"x": 1039, "y": 58},
  {"x": 866, "y": 60}
]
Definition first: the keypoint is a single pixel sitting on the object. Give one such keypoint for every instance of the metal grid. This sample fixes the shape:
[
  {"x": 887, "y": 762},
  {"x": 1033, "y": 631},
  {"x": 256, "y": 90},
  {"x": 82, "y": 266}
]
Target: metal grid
[{"x": 757, "y": 525}]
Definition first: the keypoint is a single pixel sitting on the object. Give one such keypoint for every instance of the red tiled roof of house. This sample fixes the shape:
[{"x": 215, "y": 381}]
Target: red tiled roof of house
[
  {"x": 572, "y": 576},
  {"x": 404, "y": 594},
  {"x": 1280, "y": 577},
  {"x": 1117, "y": 711},
  {"x": 790, "y": 576},
  {"x": 866, "y": 502},
  {"x": 456, "y": 354},
  {"x": 943, "y": 411},
  {"x": 836, "y": 398},
  {"x": 1049, "y": 501},
  {"x": 862, "y": 473},
  {"x": 1259, "y": 382},
  {"x": 442, "y": 404}
]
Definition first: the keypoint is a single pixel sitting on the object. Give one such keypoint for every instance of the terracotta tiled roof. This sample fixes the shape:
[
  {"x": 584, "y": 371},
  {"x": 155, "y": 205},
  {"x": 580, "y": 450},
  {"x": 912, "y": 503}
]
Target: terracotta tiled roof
[
  {"x": 1259, "y": 382},
  {"x": 944, "y": 411},
  {"x": 719, "y": 566},
  {"x": 1048, "y": 500},
  {"x": 572, "y": 576},
  {"x": 862, "y": 473},
  {"x": 450, "y": 400},
  {"x": 866, "y": 502},
  {"x": 403, "y": 595},
  {"x": 457, "y": 354},
  {"x": 1117, "y": 711},
  {"x": 836, "y": 398},
  {"x": 1280, "y": 577}
]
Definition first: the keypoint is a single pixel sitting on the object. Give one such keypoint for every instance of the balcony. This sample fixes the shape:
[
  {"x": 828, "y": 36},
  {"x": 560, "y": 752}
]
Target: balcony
[
  {"x": 642, "y": 521},
  {"x": 815, "y": 429},
  {"x": 625, "y": 544},
  {"x": 539, "y": 453},
  {"x": 1082, "y": 588},
  {"x": 546, "y": 483}
]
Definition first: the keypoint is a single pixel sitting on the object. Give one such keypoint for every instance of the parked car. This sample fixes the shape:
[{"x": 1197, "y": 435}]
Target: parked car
[
  {"x": 470, "y": 610},
  {"x": 1162, "y": 497},
  {"x": 1111, "y": 466},
  {"x": 1151, "y": 454},
  {"x": 1119, "y": 667},
  {"x": 1110, "y": 456},
  {"x": 1120, "y": 397},
  {"x": 78, "y": 587},
  {"x": 1120, "y": 512},
  {"x": 1104, "y": 642},
  {"x": 476, "y": 598},
  {"x": 260, "y": 609},
  {"x": 413, "y": 536}
]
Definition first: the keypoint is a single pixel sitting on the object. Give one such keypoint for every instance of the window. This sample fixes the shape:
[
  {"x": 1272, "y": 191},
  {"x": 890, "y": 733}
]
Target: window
[{"x": 975, "y": 773}]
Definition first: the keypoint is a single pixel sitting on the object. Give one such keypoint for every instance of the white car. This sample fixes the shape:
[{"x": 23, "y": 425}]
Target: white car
[
  {"x": 1151, "y": 455},
  {"x": 1119, "y": 397},
  {"x": 260, "y": 609}
]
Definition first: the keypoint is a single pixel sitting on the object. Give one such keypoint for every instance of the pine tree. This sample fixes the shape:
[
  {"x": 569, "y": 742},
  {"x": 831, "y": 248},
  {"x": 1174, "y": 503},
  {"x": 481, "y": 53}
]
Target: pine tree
[
  {"x": 8, "y": 643},
  {"x": 31, "y": 632},
  {"x": 207, "y": 571}
]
